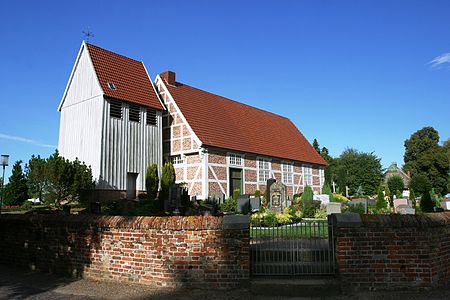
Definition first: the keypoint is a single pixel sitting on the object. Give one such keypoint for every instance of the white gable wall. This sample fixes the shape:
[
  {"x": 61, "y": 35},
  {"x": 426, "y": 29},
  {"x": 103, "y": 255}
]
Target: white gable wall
[{"x": 81, "y": 115}]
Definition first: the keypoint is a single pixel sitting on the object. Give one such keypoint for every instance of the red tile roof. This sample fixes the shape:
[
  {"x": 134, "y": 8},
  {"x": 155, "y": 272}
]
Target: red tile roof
[
  {"x": 225, "y": 123},
  {"x": 128, "y": 76}
]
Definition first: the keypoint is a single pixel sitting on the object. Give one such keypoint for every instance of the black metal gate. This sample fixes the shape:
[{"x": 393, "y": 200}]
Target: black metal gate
[{"x": 302, "y": 248}]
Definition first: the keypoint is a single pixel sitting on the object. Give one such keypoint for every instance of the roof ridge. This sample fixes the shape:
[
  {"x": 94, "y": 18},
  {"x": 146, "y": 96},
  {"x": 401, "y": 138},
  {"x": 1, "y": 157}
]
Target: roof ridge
[
  {"x": 114, "y": 53},
  {"x": 240, "y": 103}
]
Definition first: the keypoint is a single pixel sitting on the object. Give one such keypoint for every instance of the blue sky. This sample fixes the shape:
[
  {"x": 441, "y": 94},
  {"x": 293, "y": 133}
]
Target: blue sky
[{"x": 350, "y": 73}]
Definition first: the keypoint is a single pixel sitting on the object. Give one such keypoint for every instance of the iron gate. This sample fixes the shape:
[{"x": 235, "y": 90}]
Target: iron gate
[{"x": 303, "y": 248}]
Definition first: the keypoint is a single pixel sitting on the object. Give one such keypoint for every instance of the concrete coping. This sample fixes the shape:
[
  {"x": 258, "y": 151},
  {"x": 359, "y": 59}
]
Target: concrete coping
[
  {"x": 133, "y": 222},
  {"x": 392, "y": 220}
]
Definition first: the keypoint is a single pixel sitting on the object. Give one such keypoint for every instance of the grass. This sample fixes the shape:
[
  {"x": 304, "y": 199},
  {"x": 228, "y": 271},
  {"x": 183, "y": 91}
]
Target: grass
[{"x": 308, "y": 229}]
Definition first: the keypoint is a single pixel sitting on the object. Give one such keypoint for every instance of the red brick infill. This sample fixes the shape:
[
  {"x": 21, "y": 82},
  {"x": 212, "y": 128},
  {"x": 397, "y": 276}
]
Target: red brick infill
[
  {"x": 201, "y": 252},
  {"x": 393, "y": 251}
]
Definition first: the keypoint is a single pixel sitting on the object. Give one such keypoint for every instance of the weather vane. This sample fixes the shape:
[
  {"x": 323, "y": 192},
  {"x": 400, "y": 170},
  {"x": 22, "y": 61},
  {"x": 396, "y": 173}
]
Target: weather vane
[{"x": 87, "y": 34}]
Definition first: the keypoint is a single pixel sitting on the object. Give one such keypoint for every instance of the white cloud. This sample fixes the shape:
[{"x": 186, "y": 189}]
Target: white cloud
[
  {"x": 440, "y": 61},
  {"x": 25, "y": 140}
]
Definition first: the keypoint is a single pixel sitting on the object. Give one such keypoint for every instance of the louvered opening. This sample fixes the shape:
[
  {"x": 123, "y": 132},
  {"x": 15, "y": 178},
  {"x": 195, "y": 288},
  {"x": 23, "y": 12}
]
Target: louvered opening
[
  {"x": 151, "y": 116},
  {"x": 135, "y": 115},
  {"x": 115, "y": 109}
]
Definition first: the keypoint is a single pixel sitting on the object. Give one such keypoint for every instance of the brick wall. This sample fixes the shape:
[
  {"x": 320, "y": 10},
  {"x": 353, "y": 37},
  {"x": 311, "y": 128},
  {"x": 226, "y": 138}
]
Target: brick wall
[
  {"x": 393, "y": 251},
  {"x": 202, "y": 252}
]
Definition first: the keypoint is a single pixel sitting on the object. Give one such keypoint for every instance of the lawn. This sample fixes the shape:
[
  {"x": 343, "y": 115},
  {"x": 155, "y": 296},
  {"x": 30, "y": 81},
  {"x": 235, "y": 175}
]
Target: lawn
[{"x": 304, "y": 229}]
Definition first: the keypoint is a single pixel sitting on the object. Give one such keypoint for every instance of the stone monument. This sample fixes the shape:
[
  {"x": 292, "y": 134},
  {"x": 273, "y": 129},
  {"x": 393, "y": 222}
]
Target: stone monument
[{"x": 277, "y": 197}]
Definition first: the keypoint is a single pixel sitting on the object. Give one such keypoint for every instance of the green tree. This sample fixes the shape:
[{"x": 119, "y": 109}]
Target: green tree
[
  {"x": 67, "y": 181},
  {"x": 16, "y": 191},
  {"x": 316, "y": 146},
  {"x": 387, "y": 193},
  {"x": 167, "y": 179},
  {"x": 381, "y": 202},
  {"x": 426, "y": 204},
  {"x": 420, "y": 184},
  {"x": 395, "y": 184},
  {"x": 152, "y": 181},
  {"x": 353, "y": 169},
  {"x": 412, "y": 198},
  {"x": 326, "y": 189},
  {"x": 424, "y": 156},
  {"x": 36, "y": 171},
  {"x": 308, "y": 194}
]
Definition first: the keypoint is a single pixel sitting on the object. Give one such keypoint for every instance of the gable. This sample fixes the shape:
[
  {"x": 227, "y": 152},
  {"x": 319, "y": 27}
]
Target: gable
[{"x": 83, "y": 83}]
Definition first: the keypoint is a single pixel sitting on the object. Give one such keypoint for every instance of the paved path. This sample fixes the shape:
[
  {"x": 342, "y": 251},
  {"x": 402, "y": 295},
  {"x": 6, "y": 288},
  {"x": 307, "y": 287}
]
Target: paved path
[{"x": 25, "y": 285}]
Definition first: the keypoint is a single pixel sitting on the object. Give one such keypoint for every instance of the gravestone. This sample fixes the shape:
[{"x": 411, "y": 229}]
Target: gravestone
[
  {"x": 219, "y": 198},
  {"x": 174, "y": 202},
  {"x": 277, "y": 197},
  {"x": 333, "y": 208},
  {"x": 269, "y": 182},
  {"x": 405, "y": 210},
  {"x": 324, "y": 199},
  {"x": 243, "y": 204},
  {"x": 255, "y": 204}
]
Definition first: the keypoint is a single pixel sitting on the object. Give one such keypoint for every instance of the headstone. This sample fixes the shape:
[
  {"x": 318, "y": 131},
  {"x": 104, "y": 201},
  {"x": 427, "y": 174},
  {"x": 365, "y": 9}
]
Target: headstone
[
  {"x": 255, "y": 204},
  {"x": 405, "y": 210},
  {"x": 269, "y": 182},
  {"x": 333, "y": 208},
  {"x": 176, "y": 194},
  {"x": 324, "y": 199},
  {"x": 277, "y": 197},
  {"x": 219, "y": 198},
  {"x": 243, "y": 204},
  {"x": 398, "y": 202}
]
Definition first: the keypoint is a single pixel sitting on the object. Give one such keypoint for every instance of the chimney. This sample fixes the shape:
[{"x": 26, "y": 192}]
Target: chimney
[{"x": 169, "y": 77}]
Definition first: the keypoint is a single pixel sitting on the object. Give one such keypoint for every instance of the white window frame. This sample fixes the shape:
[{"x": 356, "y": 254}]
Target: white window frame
[
  {"x": 177, "y": 159},
  {"x": 235, "y": 160},
  {"x": 287, "y": 172},
  {"x": 307, "y": 175},
  {"x": 264, "y": 168},
  {"x": 322, "y": 177}
]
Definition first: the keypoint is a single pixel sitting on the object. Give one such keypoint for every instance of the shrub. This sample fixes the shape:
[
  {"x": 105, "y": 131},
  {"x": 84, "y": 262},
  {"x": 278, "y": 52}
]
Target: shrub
[
  {"x": 387, "y": 193},
  {"x": 426, "y": 204},
  {"x": 326, "y": 189},
  {"x": 356, "y": 208},
  {"x": 257, "y": 193},
  {"x": 283, "y": 218},
  {"x": 152, "y": 181},
  {"x": 381, "y": 202},
  {"x": 309, "y": 208},
  {"x": 307, "y": 194},
  {"x": 321, "y": 213},
  {"x": 270, "y": 219},
  {"x": 229, "y": 205},
  {"x": 412, "y": 197},
  {"x": 257, "y": 218},
  {"x": 167, "y": 179},
  {"x": 340, "y": 198}
]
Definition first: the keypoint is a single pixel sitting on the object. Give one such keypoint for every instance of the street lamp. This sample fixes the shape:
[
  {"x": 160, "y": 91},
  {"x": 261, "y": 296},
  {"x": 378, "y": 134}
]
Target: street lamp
[{"x": 4, "y": 158}]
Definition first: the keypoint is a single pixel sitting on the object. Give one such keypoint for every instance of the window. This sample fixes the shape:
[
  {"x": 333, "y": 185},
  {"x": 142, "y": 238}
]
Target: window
[
  {"x": 322, "y": 177},
  {"x": 115, "y": 109},
  {"x": 263, "y": 169},
  {"x": 112, "y": 86},
  {"x": 135, "y": 113},
  {"x": 177, "y": 159},
  {"x": 307, "y": 175},
  {"x": 286, "y": 168},
  {"x": 151, "y": 116},
  {"x": 235, "y": 159}
]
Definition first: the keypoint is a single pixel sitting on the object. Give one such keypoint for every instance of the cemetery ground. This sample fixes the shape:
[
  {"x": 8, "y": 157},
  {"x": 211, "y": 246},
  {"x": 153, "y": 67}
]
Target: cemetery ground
[{"x": 20, "y": 284}]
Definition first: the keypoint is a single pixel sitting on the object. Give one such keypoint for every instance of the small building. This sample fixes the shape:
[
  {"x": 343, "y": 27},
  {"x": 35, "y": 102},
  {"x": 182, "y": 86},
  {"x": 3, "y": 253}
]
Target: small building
[
  {"x": 111, "y": 120},
  {"x": 395, "y": 170},
  {"x": 218, "y": 145}
]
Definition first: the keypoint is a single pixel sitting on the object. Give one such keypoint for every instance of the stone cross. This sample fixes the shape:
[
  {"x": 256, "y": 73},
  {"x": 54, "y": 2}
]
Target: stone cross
[{"x": 334, "y": 187}]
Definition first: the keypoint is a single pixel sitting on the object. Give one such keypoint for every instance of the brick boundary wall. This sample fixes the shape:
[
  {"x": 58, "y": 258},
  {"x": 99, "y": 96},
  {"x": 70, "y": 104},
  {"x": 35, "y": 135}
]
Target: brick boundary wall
[
  {"x": 392, "y": 251},
  {"x": 201, "y": 252}
]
